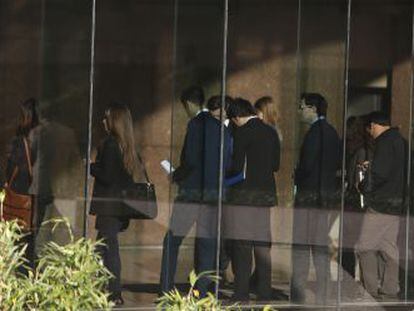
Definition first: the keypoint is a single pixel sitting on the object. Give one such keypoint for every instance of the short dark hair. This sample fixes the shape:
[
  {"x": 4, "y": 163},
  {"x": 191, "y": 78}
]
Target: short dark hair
[
  {"x": 194, "y": 94},
  {"x": 29, "y": 117},
  {"x": 316, "y": 100},
  {"x": 215, "y": 102},
  {"x": 240, "y": 107},
  {"x": 379, "y": 117}
]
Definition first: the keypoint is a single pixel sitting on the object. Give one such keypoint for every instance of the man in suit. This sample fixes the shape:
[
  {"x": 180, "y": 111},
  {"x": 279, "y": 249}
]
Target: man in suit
[
  {"x": 198, "y": 193},
  {"x": 256, "y": 154},
  {"x": 315, "y": 181}
]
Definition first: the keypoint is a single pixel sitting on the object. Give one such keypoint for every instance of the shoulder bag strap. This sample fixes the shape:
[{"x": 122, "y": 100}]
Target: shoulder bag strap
[
  {"x": 143, "y": 168},
  {"x": 29, "y": 163},
  {"x": 28, "y": 159},
  {"x": 13, "y": 176}
]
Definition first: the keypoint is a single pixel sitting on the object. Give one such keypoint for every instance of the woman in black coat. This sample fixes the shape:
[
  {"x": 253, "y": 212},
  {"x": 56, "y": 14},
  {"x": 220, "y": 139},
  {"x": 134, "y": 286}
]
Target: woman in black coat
[
  {"x": 359, "y": 148},
  {"x": 115, "y": 168}
]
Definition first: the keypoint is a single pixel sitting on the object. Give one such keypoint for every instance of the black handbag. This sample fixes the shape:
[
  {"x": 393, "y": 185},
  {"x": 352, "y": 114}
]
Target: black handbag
[{"x": 139, "y": 199}]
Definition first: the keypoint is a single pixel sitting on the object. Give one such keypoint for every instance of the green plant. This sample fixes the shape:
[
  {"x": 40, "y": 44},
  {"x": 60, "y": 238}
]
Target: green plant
[
  {"x": 12, "y": 295},
  {"x": 2, "y": 198},
  {"x": 175, "y": 301},
  {"x": 66, "y": 277}
]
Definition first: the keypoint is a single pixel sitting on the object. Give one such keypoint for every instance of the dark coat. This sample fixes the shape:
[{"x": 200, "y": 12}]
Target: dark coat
[
  {"x": 111, "y": 178},
  {"x": 17, "y": 158},
  {"x": 388, "y": 173},
  {"x": 320, "y": 158},
  {"x": 256, "y": 149},
  {"x": 198, "y": 173},
  {"x": 353, "y": 161}
]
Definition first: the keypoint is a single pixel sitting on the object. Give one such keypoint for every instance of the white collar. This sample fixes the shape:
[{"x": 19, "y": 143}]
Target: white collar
[{"x": 202, "y": 110}]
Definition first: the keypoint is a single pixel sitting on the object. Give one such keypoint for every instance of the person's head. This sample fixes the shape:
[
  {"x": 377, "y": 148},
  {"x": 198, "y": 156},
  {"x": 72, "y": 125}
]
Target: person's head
[
  {"x": 377, "y": 123},
  {"x": 118, "y": 122},
  {"x": 240, "y": 110},
  {"x": 267, "y": 110},
  {"x": 192, "y": 96},
  {"x": 214, "y": 105},
  {"x": 29, "y": 117},
  {"x": 312, "y": 106},
  {"x": 356, "y": 134}
]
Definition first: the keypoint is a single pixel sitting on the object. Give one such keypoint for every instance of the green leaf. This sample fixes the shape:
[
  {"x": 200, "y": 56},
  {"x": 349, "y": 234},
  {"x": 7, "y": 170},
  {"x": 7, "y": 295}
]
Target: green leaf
[{"x": 193, "y": 278}]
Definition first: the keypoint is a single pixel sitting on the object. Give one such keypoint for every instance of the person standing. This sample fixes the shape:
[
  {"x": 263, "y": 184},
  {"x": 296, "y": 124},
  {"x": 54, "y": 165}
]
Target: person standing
[
  {"x": 198, "y": 194},
  {"x": 19, "y": 164},
  {"x": 384, "y": 199},
  {"x": 315, "y": 181},
  {"x": 359, "y": 148},
  {"x": 268, "y": 111},
  {"x": 256, "y": 154},
  {"x": 116, "y": 167}
]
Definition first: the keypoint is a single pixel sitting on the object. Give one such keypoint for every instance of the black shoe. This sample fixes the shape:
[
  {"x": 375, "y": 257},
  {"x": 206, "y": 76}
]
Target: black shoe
[
  {"x": 116, "y": 299},
  {"x": 118, "y": 302}
]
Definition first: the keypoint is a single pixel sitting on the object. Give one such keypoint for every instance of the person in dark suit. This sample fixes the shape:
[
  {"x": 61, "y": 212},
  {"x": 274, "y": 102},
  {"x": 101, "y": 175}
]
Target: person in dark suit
[
  {"x": 315, "y": 179},
  {"x": 257, "y": 155},
  {"x": 198, "y": 195},
  {"x": 116, "y": 166}
]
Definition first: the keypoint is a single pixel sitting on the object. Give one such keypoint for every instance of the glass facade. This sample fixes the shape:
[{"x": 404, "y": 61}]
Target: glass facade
[{"x": 327, "y": 239}]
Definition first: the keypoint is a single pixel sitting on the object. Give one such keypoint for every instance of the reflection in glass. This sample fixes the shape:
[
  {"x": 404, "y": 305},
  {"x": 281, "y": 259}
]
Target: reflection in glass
[
  {"x": 191, "y": 238},
  {"x": 256, "y": 155},
  {"x": 380, "y": 73},
  {"x": 134, "y": 51},
  {"x": 322, "y": 55},
  {"x": 315, "y": 180}
]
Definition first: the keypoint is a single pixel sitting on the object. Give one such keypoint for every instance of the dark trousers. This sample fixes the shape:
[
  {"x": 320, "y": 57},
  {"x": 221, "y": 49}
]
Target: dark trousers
[
  {"x": 349, "y": 261},
  {"x": 183, "y": 217},
  {"x": 40, "y": 204},
  {"x": 108, "y": 229},
  {"x": 300, "y": 269},
  {"x": 242, "y": 261},
  {"x": 205, "y": 256},
  {"x": 225, "y": 256}
]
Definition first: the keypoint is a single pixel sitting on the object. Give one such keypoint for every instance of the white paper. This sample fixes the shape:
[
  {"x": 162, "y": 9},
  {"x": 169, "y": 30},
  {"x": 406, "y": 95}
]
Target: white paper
[{"x": 166, "y": 165}]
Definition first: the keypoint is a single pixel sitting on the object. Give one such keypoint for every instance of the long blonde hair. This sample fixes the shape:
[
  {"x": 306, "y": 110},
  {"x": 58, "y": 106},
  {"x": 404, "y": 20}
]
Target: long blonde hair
[
  {"x": 269, "y": 109},
  {"x": 120, "y": 125}
]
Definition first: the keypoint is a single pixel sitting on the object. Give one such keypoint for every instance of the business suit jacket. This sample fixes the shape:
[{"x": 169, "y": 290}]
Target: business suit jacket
[
  {"x": 110, "y": 178},
  {"x": 198, "y": 174},
  {"x": 257, "y": 151},
  {"x": 315, "y": 178},
  {"x": 320, "y": 158}
]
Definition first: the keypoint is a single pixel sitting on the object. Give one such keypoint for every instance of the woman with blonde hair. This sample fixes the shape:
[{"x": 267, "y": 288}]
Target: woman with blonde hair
[
  {"x": 116, "y": 166},
  {"x": 268, "y": 111}
]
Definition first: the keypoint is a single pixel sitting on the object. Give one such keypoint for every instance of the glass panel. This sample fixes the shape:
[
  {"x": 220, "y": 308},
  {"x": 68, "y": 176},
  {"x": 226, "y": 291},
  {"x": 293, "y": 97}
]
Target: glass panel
[
  {"x": 261, "y": 63},
  {"x": 134, "y": 66},
  {"x": 380, "y": 80},
  {"x": 61, "y": 141},
  {"x": 45, "y": 50},
  {"x": 316, "y": 219},
  {"x": 20, "y": 67},
  {"x": 190, "y": 242}
]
